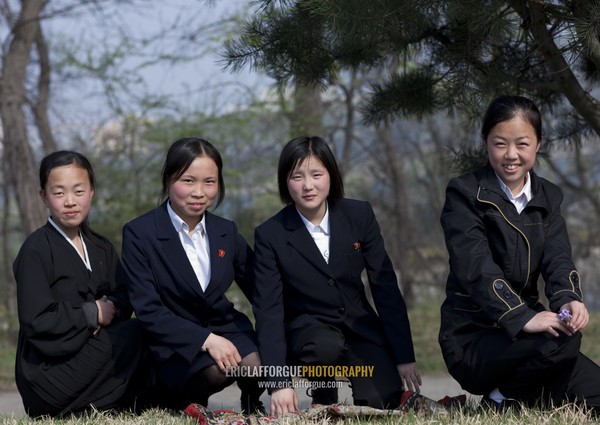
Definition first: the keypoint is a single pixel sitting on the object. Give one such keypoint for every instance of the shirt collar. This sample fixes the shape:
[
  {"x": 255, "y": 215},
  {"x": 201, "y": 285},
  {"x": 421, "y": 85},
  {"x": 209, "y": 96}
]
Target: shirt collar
[
  {"x": 180, "y": 225},
  {"x": 324, "y": 224},
  {"x": 526, "y": 191},
  {"x": 61, "y": 231},
  {"x": 85, "y": 257}
]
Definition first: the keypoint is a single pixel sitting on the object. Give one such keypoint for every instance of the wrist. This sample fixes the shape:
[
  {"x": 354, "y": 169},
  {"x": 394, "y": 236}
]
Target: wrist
[
  {"x": 205, "y": 343},
  {"x": 90, "y": 311},
  {"x": 99, "y": 312}
]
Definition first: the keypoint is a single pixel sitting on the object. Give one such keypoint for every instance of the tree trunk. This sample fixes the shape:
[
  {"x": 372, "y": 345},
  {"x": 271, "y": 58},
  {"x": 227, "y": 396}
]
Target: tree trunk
[
  {"x": 19, "y": 164},
  {"x": 307, "y": 118},
  {"x": 349, "y": 91},
  {"x": 9, "y": 280},
  {"x": 400, "y": 239},
  {"x": 40, "y": 106}
]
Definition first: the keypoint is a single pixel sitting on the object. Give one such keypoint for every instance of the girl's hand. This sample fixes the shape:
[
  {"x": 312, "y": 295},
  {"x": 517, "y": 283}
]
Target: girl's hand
[
  {"x": 547, "y": 321},
  {"x": 222, "y": 351},
  {"x": 579, "y": 315},
  {"x": 410, "y": 375},
  {"x": 283, "y": 401},
  {"x": 106, "y": 311}
]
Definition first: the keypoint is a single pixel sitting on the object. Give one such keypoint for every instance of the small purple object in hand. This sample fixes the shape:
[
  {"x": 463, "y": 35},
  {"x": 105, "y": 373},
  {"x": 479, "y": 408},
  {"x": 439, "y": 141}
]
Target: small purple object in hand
[{"x": 564, "y": 314}]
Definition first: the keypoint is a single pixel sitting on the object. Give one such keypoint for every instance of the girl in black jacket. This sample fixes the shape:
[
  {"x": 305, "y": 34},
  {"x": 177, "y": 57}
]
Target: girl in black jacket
[
  {"x": 77, "y": 348},
  {"x": 504, "y": 229},
  {"x": 310, "y": 303}
]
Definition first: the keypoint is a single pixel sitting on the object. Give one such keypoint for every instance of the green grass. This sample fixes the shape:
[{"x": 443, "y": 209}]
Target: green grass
[
  {"x": 7, "y": 361},
  {"x": 154, "y": 416},
  {"x": 590, "y": 345},
  {"x": 425, "y": 325},
  {"x": 468, "y": 415}
]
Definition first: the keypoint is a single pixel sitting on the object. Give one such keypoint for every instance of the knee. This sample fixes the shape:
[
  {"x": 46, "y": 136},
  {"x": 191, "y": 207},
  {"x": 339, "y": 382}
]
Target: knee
[
  {"x": 326, "y": 351},
  {"x": 565, "y": 348},
  {"x": 208, "y": 381},
  {"x": 320, "y": 346},
  {"x": 251, "y": 360}
]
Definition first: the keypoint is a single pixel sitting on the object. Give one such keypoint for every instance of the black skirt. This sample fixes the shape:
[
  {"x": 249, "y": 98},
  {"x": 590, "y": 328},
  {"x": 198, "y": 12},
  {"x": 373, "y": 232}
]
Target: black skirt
[
  {"x": 101, "y": 375},
  {"x": 176, "y": 371}
]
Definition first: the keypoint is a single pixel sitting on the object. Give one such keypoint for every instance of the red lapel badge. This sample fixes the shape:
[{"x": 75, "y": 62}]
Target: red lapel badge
[
  {"x": 356, "y": 246},
  {"x": 221, "y": 253}
]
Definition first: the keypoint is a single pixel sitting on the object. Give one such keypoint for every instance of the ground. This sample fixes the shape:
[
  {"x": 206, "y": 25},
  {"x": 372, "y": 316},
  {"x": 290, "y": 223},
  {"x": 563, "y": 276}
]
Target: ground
[{"x": 435, "y": 387}]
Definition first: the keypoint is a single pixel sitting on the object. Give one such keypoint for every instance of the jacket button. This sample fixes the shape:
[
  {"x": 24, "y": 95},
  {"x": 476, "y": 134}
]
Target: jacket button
[
  {"x": 507, "y": 294},
  {"x": 575, "y": 277},
  {"x": 341, "y": 310},
  {"x": 331, "y": 282},
  {"x": 498, "y": 285}
]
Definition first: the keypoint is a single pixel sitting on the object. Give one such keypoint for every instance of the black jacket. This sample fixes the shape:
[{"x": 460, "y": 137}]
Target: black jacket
[
  {"x": 166, "y": 295},
  {"x": 53, "y": 289},
  {"x": 497, "y": 256}
]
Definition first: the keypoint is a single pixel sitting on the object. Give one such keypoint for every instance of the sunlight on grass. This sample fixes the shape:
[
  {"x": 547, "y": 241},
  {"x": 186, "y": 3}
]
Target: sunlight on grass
[{"x": 468, "y": 415}]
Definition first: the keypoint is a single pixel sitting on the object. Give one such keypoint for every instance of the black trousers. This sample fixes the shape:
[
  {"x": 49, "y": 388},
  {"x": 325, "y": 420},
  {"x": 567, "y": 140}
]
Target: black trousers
[
  {"x": 533, "y": 368},
  {"x": 325, "y": 345}
]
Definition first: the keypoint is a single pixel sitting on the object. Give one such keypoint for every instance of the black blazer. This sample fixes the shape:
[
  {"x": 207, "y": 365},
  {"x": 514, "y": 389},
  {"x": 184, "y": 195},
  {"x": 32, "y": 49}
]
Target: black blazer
[
  {"x": 295, "y": 287},
  {"x": 165, "y": 293}
]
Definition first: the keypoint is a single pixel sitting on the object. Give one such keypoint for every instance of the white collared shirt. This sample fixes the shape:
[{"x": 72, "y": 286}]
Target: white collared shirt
[
  {"x": 195, "y": 244},
  {"x": 319, "y": 233},
  {"x": 84, "y": 257},
  {"x": 521, "y": 199}
]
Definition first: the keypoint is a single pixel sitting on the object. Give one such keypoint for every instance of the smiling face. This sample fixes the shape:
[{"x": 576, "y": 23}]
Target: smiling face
[
  {"x": 195, "y": 191},
  {"x": 68, "y": 196},
  {"x": 512, "y": 146},
  {"x": 308, "y": 185}
]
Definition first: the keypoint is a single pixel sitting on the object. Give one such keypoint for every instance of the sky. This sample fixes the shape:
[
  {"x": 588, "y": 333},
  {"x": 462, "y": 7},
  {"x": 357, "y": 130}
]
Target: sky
[{"x": 197, "y": 83}]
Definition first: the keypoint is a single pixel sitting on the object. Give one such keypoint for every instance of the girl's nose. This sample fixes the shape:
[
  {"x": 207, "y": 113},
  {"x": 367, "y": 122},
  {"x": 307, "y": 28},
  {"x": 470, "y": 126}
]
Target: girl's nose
[
  {"x": 198, "y": 191},
  {"x": 511, "y": 152},
  {"x": 69, "y": 199}
]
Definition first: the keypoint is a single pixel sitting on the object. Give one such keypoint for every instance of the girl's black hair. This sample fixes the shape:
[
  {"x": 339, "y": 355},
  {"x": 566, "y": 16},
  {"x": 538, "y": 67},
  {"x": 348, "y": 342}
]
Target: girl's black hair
[
  {"x": 181, "y": 154},
  {"x": 505, "y": 108},
  {"x": 296, "y": 151},
  {"x": 63, "y": 158}
]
